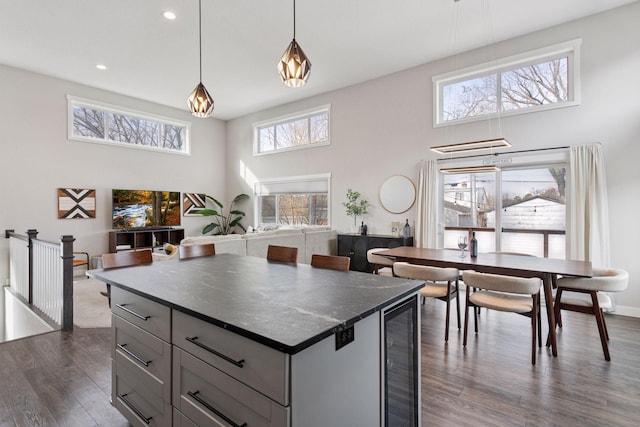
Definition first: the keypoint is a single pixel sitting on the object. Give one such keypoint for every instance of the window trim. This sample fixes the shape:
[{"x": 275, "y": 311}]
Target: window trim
[
  {"x": 289, "y": 118},
  {"x": 73, "y": 101},
  {"x": 569, "y": 49},
  {"x": 290, "y": 180}
]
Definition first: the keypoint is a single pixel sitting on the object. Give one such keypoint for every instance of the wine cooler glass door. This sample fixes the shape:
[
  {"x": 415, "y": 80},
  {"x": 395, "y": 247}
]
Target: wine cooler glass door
[{"x": 401, "y": 357}]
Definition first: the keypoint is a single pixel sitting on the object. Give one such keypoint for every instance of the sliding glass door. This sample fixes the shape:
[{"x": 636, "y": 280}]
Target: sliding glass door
[{"x": 517, "y": 209}]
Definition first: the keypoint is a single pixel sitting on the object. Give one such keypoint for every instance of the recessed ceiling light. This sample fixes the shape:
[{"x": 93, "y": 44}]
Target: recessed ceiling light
[
  {"x": 169, "y": 15},
  {"x": 101, "y": 67}
]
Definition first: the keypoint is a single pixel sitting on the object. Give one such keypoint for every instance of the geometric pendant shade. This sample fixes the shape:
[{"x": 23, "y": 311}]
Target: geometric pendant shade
[
  {"x": 200, "y": 102},
  {"x": 294, "y": 66}
]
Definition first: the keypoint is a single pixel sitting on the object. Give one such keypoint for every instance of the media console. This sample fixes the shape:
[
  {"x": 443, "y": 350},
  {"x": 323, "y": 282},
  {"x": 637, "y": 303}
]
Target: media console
[{"x": 143, "y": 238}]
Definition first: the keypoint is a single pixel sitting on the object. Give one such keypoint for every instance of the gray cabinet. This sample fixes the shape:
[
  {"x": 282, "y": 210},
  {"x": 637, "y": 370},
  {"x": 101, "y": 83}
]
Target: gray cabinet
[
  {"x": 355, "y": 246},
  {"x": 141, "y": 359}
]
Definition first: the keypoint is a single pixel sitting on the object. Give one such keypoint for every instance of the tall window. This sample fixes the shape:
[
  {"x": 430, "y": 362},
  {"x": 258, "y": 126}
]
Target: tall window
[
  {"x": 304, "y": 129},
  {"x": 94, "y": 122},
  {"x": 528, "y": 216},
  {"x": 294, "y": 201},
  {"x": 542, "y": 79}
]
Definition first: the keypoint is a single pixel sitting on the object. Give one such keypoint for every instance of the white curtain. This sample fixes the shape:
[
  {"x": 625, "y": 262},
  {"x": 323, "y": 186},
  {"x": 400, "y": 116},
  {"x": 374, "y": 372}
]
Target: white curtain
[
  {"x": 427, "y": 212},
  {"x": 588, "y": 231}
]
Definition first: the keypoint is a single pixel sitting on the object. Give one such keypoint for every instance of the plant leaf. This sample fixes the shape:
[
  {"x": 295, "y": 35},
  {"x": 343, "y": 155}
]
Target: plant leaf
[
  {"x": 235, "y": 212},
  {"x": 240, "y": 197},
  {"x": 208, "y": 212},
  {"x": 209, "y": 227},
  {"x": 214, "y": 200}
]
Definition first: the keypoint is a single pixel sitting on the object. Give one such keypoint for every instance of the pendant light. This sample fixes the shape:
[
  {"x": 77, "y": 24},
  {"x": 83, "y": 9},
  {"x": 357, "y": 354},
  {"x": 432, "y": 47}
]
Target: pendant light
[
  {"x": 200, "y": 102},
  {"x": 294, "y": 66}
]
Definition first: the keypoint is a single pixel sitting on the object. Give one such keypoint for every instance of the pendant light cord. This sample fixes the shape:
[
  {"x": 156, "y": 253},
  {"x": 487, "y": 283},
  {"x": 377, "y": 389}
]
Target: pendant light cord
[
  {"x": 294, "y": 19},
  {"x": 200, "y": 34}
]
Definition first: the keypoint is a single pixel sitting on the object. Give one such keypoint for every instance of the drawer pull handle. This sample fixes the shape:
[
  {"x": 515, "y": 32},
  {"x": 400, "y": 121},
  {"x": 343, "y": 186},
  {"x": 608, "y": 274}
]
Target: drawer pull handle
[
  {"x": 194, "y": 340},
  {"x": 139, "y": 316},
  {"x": 198, "y": 399},
  {"x": 130, "y": 353},
  {"x": 134, "y": 409}
]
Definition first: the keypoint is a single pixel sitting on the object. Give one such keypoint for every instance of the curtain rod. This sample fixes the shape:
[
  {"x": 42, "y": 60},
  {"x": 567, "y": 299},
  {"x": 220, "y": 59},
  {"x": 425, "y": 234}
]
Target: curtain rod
[{"x": 505, "y": 152}]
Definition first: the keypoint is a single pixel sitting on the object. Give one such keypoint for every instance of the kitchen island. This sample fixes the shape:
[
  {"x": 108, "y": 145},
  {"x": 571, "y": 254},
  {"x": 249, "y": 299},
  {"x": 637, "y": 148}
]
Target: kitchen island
[{"x": 238, "y": 340}]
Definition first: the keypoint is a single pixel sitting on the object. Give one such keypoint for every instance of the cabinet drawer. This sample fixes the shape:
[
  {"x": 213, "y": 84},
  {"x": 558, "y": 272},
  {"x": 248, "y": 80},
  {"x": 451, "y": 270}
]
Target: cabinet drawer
[
  {"x": 132, "y": 396},
  {"x": 208, "y": 396},
  {"x": 179, "y": 420},
  {"x": 146, "y": 352},
  {"x": 149, "y": 315},
  {"x": 258, "y": 366}
]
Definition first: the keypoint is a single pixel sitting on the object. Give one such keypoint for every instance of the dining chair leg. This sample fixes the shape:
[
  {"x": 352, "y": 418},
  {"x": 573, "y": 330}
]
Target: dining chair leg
[
  {"x": 458, "y": 303},
  {"x": 446, "y": 321},
  {"x": 534, "y": 321},
  {"x": 556, "y": 307},
  {"x": 601, "y": 327},
  {"x": 466, "y": 318},
  {"x": 539, "y": 316},
  {"x": 606, "y": 332},
  {"x": 475, "y": 319}
]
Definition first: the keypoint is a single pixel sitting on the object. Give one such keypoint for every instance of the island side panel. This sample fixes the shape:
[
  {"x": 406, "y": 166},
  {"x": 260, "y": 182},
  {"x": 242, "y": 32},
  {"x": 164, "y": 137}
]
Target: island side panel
[{"x": 332, "y": 387}]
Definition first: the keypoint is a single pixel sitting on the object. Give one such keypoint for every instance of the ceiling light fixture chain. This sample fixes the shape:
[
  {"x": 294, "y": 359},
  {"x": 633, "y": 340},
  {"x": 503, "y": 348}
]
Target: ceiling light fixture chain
[
  {"x": 294, "y": 67},
  {"x": 200, "y": 101}
]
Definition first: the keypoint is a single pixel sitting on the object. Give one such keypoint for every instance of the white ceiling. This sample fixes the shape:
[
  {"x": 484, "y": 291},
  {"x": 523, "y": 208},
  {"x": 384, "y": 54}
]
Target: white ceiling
[{"x": 347, "y": 41}]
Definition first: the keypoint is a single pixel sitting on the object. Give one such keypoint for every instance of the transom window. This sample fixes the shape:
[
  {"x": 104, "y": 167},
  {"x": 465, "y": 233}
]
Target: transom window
[
  {"x": 293, "y": 201},
  {"x": 304, "y": 129},
  {"x": 542, "y": 79},
  {"x": 95, "y": 122}
]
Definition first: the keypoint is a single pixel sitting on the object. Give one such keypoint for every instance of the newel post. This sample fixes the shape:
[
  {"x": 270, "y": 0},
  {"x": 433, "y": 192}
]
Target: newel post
[
  {"x": 31, "y": 234},
  {"x": 67, "y": 282}
]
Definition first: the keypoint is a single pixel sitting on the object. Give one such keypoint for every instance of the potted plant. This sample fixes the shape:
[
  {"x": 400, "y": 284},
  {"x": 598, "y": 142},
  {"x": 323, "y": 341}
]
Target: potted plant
[
  {"x": 355, "y": 207},
  {"x": 224, "y": 224}
]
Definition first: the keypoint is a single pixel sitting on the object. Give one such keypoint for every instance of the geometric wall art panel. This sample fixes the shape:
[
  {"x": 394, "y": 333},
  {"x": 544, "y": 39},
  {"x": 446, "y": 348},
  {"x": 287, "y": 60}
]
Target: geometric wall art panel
[
  {"x": 192, "y": 203},
  {"x": 76, "y": 203}
]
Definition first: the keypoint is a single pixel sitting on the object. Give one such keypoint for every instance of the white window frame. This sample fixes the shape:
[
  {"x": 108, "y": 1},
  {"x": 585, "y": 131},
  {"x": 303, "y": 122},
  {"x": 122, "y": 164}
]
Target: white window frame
[
  {"x": 302, "y": 184},
  {"x": 569, "y": 49},
  {"x": 290, "y": 118},
  {"x": 73, "y": 101}
]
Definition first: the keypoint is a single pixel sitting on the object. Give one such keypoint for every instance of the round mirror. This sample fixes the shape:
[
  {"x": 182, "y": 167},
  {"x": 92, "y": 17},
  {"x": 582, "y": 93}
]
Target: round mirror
[{"x": 397, "y": 194}]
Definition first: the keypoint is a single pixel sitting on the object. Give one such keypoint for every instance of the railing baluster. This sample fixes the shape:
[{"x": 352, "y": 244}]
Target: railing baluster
[{"x": 41, "y": 273}]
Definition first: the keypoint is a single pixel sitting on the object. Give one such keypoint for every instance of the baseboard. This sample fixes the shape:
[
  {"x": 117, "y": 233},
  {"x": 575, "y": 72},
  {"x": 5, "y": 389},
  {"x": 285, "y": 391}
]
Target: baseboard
[{"x": 624, "y": 310}]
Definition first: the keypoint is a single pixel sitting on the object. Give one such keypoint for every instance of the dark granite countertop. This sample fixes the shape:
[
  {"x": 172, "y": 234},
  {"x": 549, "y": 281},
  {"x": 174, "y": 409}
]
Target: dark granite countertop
[{"x": 288, "y": 307}]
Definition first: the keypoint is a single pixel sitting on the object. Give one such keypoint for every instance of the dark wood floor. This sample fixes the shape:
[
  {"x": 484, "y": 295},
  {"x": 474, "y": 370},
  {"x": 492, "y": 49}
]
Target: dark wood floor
[
  {"x": 492, "y": 381},
  {"x": 63, "y": 378}
]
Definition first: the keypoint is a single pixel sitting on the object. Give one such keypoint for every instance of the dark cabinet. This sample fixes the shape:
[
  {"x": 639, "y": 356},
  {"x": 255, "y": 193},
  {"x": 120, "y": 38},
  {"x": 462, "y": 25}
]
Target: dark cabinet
[
  {"x": 145, "y": 238},
  {"x": 355, "y": 246}
]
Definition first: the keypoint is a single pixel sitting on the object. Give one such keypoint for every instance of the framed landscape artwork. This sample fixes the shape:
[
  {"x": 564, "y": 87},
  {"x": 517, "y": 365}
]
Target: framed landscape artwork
[
  {"x": 76, "y": 203},
  {"x": 192, "y": 203}
]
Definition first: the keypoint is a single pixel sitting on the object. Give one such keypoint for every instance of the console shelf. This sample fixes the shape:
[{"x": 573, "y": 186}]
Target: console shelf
[{"x": 125, "y": 240}]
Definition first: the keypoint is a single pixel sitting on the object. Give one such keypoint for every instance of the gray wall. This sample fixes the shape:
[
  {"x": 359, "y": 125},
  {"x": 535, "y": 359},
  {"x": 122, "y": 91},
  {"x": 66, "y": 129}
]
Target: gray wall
[
  {"x": 384, "y": 127},
  {"x": 37, "y": 158}
]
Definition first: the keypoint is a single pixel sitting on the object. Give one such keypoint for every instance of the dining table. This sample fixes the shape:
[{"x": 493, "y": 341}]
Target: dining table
[{"x": 547, "y": 269}]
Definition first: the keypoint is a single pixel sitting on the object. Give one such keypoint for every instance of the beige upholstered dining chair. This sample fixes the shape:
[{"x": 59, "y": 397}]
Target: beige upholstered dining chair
[
  {"x": 331, "y": 262},
  {"x": 124, "y": 259},
  {"x": 438, "y": 285},
  {"x": 195, "y": 251},
  {"x": 381, "y": 264},
  {"x": 593, "y": 301},
  {"x": 282, "y": 254},
  {"x": 503, "y": 293}
]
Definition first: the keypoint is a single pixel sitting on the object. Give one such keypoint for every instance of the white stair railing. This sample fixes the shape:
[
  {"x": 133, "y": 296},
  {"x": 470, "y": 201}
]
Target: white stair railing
[{"x": 41, "y": 274}]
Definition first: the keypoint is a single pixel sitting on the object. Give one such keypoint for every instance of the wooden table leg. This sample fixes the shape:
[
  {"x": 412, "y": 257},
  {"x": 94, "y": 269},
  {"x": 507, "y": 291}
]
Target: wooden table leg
[{"x": 548, "y": 298}]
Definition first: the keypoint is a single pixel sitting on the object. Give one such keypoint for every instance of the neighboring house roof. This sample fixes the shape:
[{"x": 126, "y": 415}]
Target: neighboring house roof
[{"x": 535, "y": 213}]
